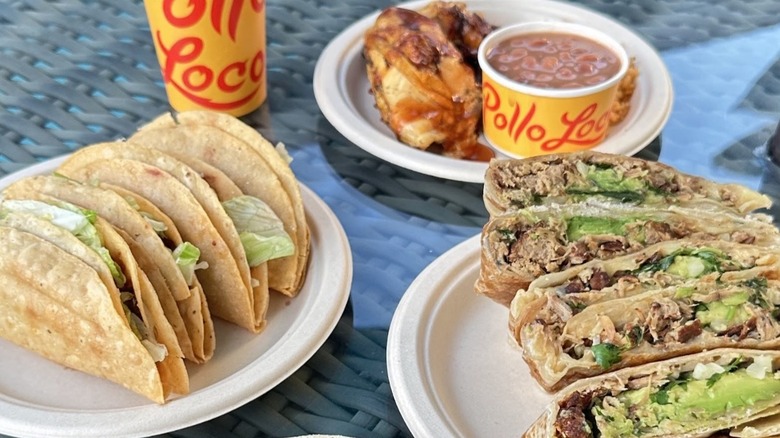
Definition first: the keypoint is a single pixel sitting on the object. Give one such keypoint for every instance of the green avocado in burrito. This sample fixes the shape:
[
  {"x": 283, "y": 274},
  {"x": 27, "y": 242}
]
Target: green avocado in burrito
[
  {"x": 588, "y": 175},
  {"x": 691, "y": 396}
]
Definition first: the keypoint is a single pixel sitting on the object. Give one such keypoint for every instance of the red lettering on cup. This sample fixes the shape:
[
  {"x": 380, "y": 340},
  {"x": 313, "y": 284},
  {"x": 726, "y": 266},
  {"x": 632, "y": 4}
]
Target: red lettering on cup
[
  {"x": 580, "y": 129},
  {"x": 183, "y": 66}
]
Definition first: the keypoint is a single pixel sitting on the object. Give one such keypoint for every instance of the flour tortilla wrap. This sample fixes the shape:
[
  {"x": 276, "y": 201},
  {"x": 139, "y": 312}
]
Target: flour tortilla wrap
[
  {"x": 57, "y": 306},
  {"x": 568, "y": 338},
  {"x": 511, "y": 184},
  {"x": 690, "y": 396},
  {"x": 519, "y": 247},
  {"x": 654, "y": 267},
  {"x": 223, "y": 282},
  {"x": 147, "y": 320},
  {"x": 214, "y": 137},
  {"x": 147, "y": 247}
]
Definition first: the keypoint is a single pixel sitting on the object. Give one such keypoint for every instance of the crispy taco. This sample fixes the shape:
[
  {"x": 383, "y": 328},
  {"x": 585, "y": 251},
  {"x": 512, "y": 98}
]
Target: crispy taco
[
  {"x": 695, "y": 298},
  {"x": 225, "y": 142},
  {"x": 226, "y": 282},
  {"x": 204, "y": 149},
  {"x": 690, "y": 396},
  {"x": 194, "y": 310},
  {"x": 155, "y": 244},
  {"x": 519, "y": 247},
  {"x": 60, "y": 236},
  {"x": 564, "y": 178}
]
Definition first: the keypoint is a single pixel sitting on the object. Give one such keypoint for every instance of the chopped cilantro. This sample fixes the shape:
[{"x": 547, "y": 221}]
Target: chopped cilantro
[
  {"x": 733, "y": 365},
  {"x": 606, "y": 354}
]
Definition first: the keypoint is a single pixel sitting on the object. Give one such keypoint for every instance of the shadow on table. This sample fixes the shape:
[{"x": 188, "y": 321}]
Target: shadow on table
[{"x": 436, "y": 199}]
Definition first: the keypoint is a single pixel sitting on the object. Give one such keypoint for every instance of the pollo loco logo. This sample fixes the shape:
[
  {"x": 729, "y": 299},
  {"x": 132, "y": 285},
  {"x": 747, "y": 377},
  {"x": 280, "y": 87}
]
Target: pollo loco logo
[
  {"x": 582, "y": 130},
  {"x": 193, "y": 61}
]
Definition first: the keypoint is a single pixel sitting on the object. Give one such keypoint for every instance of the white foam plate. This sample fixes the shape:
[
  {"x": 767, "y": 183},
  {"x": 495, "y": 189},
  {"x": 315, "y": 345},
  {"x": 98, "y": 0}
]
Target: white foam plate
[
  {"x": 42, "y": 398},
  {"x": 453, "y": 369},
  {"x": 341, "y": 88}
]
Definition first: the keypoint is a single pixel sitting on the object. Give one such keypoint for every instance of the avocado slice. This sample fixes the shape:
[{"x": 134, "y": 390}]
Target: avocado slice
[
  {"x": 580, "y": 226},
  {"x": 725, "y": 313},
  {"x": 685, "y": 406}
]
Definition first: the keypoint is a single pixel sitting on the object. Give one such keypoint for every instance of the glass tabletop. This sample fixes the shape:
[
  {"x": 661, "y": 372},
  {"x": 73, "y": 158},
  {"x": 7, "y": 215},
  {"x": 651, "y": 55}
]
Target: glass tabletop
[{"x": 73, "y": 73}]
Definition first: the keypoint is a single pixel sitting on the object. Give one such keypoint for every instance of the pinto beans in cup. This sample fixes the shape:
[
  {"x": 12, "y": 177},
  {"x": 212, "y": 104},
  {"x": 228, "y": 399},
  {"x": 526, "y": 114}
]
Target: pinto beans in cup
[{"x": 547, "y": 87}]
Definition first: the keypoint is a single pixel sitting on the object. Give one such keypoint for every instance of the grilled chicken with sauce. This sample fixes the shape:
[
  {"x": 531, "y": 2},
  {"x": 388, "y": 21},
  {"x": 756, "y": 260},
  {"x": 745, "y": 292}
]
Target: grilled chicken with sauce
[{"x": 425, "y": 91}]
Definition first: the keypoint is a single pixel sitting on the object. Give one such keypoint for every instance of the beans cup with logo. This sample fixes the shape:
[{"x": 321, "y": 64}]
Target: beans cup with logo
[
  {"x": 211, "y": 53},
  {"x": 548, "y": 87}
]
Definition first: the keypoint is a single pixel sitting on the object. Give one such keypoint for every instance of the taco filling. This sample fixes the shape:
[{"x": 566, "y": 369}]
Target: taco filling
[{"x": 675, "y": 403}]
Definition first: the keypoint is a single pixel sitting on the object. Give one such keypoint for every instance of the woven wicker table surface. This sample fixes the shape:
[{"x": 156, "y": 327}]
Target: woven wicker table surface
[{"x": 76, "y": 72}]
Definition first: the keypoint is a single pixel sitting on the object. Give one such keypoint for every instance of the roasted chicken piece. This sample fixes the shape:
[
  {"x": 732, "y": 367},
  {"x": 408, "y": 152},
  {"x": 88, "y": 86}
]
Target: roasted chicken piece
[
  {"x": 463, "y": 28},
  {"x": 424, "y": 90}
]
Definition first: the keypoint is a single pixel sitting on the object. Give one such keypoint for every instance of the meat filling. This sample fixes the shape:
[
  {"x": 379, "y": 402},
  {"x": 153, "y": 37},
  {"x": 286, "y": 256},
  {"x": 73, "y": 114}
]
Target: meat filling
[{"x": 526, "y": 184}]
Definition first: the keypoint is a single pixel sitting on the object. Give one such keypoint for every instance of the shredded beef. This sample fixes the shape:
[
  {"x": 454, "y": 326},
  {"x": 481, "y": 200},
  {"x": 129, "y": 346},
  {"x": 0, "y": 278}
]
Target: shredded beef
[
  {"x": 658, "y": 232},
  {"x": 538, "y": 249},
  {"x": 741, "y": 331},
  {"x": 661, "y": 318},
  {"x": 575, "y": 286},
  {"x": 571, "y": 421},
  {"x": 742, "y": 237},
  {"x": 599, "y": 280},
  {"x": 689, "y": 331},
  {"x": 611, "y": 248}
]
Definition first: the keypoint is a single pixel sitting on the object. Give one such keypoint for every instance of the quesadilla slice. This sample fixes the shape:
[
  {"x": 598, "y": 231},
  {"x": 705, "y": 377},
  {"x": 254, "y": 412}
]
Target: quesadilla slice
[
  {"x": 224, "y": 284},
  {"x": 94, "y": 243},
  {"x": 521, "y": 246},
  {"x": 145, "y": 233},
  {"x": 689, "y": 396},
  {"x": 225, "y": 142},
  {"x": 644, "y": 317},
  {"x": 573, "y": 177}
]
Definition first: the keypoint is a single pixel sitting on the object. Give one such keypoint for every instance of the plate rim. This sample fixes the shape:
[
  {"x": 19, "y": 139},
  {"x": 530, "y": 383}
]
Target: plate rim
[
  {"x": 20, "y": 418},
  {"x": 406, "y": 344},
  {"x": 341, "y": 50}
]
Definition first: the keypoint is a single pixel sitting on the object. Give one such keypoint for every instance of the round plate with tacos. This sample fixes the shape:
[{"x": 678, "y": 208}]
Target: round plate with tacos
[{"x": 147, "y": 279}]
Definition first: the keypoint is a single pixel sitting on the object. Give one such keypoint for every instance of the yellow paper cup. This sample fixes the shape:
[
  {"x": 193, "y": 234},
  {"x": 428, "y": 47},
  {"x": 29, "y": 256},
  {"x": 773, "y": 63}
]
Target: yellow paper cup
[
  {"x": 211, "y": 53},
  {"x": 525, "y": 121}
]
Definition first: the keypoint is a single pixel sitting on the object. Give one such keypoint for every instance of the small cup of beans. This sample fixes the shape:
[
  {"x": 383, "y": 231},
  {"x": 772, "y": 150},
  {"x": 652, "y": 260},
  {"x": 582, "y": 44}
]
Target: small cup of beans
[{"x": 547, "y": 87}]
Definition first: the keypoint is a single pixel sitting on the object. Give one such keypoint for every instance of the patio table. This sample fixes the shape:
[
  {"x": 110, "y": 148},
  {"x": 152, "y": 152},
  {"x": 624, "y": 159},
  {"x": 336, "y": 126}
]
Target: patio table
[{"x": 77, "y": 72}]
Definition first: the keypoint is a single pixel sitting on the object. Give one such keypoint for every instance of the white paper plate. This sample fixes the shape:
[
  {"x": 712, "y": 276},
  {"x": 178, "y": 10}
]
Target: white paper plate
[
  {"x": 453, "y": 369},
  {"x": 341, "y": 88},
  {"x": 41, "y": 398}
]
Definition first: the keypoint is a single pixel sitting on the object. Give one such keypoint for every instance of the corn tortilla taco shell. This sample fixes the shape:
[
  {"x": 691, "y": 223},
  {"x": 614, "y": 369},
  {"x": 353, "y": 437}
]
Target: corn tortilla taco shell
[
  {"x": 146, "y": 246},
  {"x": 222, "y": 281},
  {"x": 272, "y": 160},
  {"x": 194, "y": 310},
  {"x": 246, "y": 169},
  {"x": 146, "y": 301},
  {"x": 57, "y": 306}
]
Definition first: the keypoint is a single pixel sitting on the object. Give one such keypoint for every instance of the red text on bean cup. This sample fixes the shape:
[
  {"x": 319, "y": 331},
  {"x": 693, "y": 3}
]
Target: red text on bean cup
[{"x": 580, "y": 130}]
